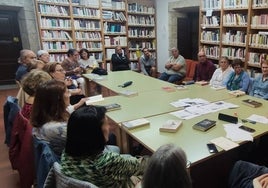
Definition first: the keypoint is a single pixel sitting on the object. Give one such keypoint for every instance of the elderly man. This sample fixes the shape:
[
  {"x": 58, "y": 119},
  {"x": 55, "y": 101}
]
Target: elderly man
[
  {"x": 26, "y": 56},
  {"x": 175, "y": 67},
  {"x": 205, "y": 68}
]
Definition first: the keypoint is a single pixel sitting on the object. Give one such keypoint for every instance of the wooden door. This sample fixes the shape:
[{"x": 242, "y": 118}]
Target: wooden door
[{"x": 10, "y": 46}]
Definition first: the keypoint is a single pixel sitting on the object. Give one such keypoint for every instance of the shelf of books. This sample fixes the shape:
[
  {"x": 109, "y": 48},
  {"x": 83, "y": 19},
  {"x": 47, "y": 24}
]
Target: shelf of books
[
  {"x": 141, "y": 28},
  {"x": 98, "y": 25},
  {"x": 236, "y": 29}
]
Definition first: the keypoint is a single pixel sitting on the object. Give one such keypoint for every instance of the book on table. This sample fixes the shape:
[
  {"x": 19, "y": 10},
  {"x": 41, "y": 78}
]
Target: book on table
[
  {"x": 112, "y": 107},
  {"x": 170, "y": 126},
  {"x": 93, "y": 99},
  {"x": 237, "y": 93},
  {"x": 251, "y": 103},
  {"x": 202, "y": 83},
  {"x": 204, "y": 125},
  {"x": 128, "y": 93},
  {"x": 136, "y": 123}
]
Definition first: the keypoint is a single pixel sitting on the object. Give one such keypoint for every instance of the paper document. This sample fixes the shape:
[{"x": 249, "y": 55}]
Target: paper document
[
  {"x": 258, "y": 118},
  {"x": 224, "y": 143},
  {"x": 236, "y": 134}
]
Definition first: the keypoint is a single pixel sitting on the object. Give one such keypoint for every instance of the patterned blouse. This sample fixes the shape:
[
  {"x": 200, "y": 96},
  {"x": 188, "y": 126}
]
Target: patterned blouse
[{"x": 107, "y": 169}]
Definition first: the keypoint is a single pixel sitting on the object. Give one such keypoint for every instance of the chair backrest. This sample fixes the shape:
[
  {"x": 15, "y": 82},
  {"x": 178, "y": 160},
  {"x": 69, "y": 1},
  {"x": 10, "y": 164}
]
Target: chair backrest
[
  {"x": 10, "y": 109},
  {"x": 21, "y": 150},
  {"x": 57, "y": 179},
  {"x": 44, "y": 159},
  {"x": 190, "y": 69}
]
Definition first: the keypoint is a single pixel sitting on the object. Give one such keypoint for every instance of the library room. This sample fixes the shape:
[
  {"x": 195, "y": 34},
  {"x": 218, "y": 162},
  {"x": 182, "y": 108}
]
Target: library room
[{"x": 176, "y": 92}]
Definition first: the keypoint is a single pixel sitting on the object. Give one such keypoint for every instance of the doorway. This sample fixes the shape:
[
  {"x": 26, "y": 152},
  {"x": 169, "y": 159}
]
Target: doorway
[
  {"x": 10, "y": 46},
  {"x": 187, "y": 32}
]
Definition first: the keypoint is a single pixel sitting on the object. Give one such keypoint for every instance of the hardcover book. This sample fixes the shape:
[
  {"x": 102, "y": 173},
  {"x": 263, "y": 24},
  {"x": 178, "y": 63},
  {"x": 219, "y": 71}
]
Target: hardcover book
[
  {"x": 204, "y": 125},
  {"x": 113, "y": 106},
  {"x": 170, "y": 126},
  {"x": 252, "y": 103},
  {"x": 237, "y": 93},
  {"x": 136, "y": 123}
]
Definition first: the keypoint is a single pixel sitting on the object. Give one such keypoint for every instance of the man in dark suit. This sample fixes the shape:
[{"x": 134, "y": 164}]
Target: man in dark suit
[{"x": 119, "y": 60}]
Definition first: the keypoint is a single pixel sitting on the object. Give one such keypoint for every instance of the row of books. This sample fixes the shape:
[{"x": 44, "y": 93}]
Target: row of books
[
  {"x": 135, "y": 7},
  {"x": 232, "y": 52},
  {"x": 142, "y": 44},
  {"x": 88, "y": 35},
  {"x": 141, "y": 32},
  {"x": 235, "y": 4},
  {"x": 55, "y": 1},
  {"x": 256, "y": 58},
  {"x": 87, "y": 24},
  {"x": 109, "y": 53},
  {"x": 90, "y": 3},
  {"x": 57, "y": 57},
  {"x": 234, "y": 37},
  {"x": 212, "y": 51},
  {"x": 89, "y": 45},
  {"x": 114, "y": 27},
  {"x": 235, "y": 19},
  {"x": 259, "y": 39},
  {"x": 86, "y": 12},
  {"x": 111, "y": 15},
  {"x": 259, "y": 3},
  {"x": 210, "y": 21},
  {"x": 114, "y": 41},
  {"x": 57, "y": 45},
  {"x": 259, "y": 20},
  {"x": 141, "y": 20},
  {"x": 211, "y": 36},
  {"x": 55, "y": 23},
  {"x": 53, "y": 10},
  {"x": 113, "y": 4},
  {"x": 211, "y": 4},
  {"x": 60, "y": 35}
]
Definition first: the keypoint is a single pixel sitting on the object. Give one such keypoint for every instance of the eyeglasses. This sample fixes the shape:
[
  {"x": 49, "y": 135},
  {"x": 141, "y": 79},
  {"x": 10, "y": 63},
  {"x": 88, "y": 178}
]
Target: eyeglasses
[
  {"x": 60, "y": 70},
  {"x": 264, "y": 67}
]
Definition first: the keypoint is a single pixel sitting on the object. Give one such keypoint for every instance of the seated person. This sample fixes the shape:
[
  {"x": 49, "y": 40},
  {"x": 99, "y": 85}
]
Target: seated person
[
  {"x": 260, "y": 84},
  {"x": 147, "y": 63},
  {"x": 249, "y": 175},
  {"x": 25, "y": 58},
  {"x": 56, "y": 71},
  {"x": 29, "y": 84},
  {"x": 49, "y": 115},
  {"x": 84, "y": 157},
  {"x": 73, "y": 69},
  {"x": 167, "y": 168},
  {"x": 239, "y": 79},
  {"x": 221, "y": 74},
  {"x": 205, "y": 68},
  {"x": 43, "y": 55},
  {"x": 120, "y": 61},
  {"x": 86, "y": 61},
  {"x": 175, "y": 67}
]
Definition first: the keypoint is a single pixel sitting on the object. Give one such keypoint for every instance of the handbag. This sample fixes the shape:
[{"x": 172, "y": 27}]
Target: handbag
[{"x": 99, "y": 71}]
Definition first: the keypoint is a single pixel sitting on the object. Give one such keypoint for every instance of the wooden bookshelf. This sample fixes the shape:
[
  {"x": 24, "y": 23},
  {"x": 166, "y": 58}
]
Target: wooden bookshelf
[
  {"x": 98, "y": 25},
  {"x": 236, "y": 29}
]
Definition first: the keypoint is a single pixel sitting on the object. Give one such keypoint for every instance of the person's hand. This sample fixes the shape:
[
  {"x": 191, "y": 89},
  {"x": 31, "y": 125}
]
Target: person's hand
[
  {"x": 77, "y": 91},
  {"x": 263, "y": 180},
  {"x": 77, "y": 70}
]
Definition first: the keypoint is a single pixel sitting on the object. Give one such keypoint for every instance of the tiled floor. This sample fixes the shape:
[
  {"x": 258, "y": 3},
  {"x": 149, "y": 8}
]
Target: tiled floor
[{"x": 8, "y": 178}]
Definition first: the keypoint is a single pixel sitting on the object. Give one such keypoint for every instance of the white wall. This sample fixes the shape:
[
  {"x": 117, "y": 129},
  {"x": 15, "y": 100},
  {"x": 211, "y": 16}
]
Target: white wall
[{"x": 162, "y": 32}]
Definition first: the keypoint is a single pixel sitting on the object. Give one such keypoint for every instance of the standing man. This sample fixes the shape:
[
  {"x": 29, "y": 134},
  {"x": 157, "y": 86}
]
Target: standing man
[
  {"x": 205, "y": 68},
  {"x": 147, "y": 63},
  {"x": 175, "y": 67},
  {"x": 119, "y": 61}
]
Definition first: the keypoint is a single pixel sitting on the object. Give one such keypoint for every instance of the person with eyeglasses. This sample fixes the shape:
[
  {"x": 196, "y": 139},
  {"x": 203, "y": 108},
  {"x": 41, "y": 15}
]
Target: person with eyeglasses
[
  {"x": 205, "y": 68},
  {"x": 167, "y": 167},
  {"x": 239, "y": 79},
  {"x": 73, "y": 69}
]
